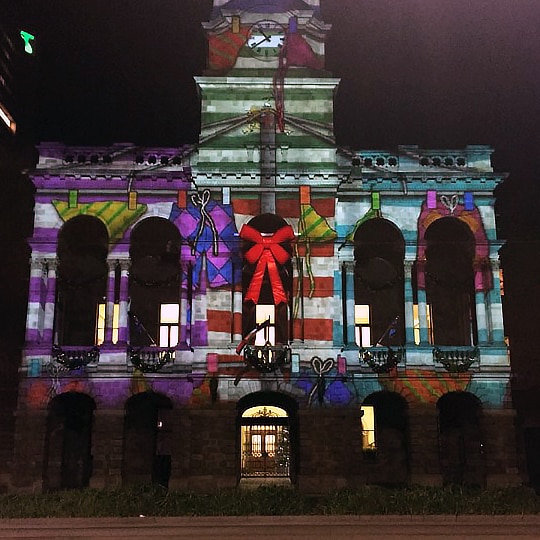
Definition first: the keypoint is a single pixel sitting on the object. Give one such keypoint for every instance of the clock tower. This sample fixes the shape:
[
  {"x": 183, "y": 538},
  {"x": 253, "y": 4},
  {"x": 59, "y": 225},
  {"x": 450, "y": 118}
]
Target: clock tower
[{"x": 267, "y": 102}]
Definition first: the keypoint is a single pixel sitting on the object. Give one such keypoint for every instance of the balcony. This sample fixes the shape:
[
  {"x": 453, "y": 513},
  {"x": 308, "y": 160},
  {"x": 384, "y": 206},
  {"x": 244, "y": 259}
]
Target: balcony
[
  {"x": 381, "y": 359},
  {"x": 150, "y": 359},
  {"x": 267, "y": 358},
  {"x": 75, "y": 357},
  {"x": 456, "y": 359}
]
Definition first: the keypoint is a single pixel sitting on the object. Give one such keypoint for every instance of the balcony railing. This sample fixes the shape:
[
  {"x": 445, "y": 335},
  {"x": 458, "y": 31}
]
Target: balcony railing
[
  {"x": 75, "y": 357},
  {"x": 267, "y": 358},
  {"x": 382, "y": 359},
  {"x": 150, "y": 359},
  {"x": 456, "y": 359}
]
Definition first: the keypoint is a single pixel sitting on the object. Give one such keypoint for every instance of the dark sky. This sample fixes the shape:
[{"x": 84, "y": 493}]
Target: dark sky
[{"x": 440, "y": 73}]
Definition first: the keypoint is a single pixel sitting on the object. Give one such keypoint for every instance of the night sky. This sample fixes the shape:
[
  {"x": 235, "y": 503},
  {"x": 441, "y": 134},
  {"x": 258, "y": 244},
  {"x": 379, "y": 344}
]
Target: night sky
[{"x": 438, "y": 73}]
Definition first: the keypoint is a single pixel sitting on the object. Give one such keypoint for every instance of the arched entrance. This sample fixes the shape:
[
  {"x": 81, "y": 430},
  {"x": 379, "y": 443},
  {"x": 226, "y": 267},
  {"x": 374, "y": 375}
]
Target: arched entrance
[
  {"x": 385, "y": 438},
  {"x": 267, "y": 423},
  {"x": 460, "y": 439},
  {"x": 68, "y": 442}
]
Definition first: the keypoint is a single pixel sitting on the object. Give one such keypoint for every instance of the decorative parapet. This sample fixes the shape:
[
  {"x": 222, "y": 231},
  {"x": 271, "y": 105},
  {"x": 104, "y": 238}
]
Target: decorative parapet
[
  {"x": 267, "y": 358},
  {"x": 75, "y": 357},
  {"x": 150, "y": 359},
  {"x": 381, "y": 359},
  {"x": 456, "y": 359}
]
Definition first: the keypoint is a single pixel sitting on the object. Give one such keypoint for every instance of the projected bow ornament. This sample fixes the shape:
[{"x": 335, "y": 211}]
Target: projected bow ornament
[
  {"x": 267, "y": 253},
  {"x": 321, "y": 368}
]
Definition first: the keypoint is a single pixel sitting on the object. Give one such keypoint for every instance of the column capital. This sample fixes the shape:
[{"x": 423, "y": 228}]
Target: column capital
[
  {"x": 124, "y": 264},
  {"x": 51, "y": 264},
  {"x": 408, "y": 265}
]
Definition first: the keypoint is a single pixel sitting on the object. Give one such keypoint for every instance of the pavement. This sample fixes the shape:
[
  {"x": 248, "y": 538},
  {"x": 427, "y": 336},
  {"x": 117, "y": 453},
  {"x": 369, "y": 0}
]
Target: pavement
[{"x": 295, "y": 527}]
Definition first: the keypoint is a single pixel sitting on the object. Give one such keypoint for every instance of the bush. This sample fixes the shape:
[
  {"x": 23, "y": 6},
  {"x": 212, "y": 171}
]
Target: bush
[{"x": 270, "y": 501}]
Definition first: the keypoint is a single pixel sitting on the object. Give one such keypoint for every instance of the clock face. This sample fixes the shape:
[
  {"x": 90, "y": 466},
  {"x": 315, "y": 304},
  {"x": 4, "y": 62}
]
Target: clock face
[{"x": 266, "y": 39}]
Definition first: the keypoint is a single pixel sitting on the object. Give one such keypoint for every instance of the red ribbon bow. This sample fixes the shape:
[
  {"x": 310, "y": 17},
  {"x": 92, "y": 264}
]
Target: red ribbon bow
[{"x": 266, "y": 252}]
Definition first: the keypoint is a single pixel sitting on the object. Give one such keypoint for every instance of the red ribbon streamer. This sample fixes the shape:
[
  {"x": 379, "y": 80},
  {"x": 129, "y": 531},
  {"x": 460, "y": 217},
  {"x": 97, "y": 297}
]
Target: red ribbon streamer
[{"x": 266, "y": 252}]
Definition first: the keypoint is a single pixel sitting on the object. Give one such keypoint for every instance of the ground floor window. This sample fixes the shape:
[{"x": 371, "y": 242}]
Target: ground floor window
[
  {"x": 265, "y": 442},
  {"x": 369, "y": 443}
]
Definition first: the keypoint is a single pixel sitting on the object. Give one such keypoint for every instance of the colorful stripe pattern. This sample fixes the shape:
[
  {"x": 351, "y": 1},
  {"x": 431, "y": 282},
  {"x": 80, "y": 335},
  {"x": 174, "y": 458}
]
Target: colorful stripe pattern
[
  {"x": 425, "y": 386},
  {"x": 115, "y": 215},
  {"x": 223, "y": 49}
]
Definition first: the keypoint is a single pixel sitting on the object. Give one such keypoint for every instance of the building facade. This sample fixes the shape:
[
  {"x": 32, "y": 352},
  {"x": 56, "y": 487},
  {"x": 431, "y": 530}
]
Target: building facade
[{"x": 264, "y": 306}]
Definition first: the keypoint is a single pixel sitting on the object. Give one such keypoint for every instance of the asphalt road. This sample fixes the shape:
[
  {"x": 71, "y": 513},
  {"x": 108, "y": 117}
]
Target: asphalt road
[{"x": 303, "y": 527}]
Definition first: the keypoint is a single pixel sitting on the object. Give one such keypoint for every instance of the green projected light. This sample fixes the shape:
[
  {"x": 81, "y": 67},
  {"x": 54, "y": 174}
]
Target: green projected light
[{"x": 27, "y": 38}]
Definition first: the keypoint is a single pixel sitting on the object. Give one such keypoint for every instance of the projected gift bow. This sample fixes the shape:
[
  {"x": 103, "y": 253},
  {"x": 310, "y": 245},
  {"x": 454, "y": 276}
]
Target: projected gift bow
[{"x": 267, "y": 253}]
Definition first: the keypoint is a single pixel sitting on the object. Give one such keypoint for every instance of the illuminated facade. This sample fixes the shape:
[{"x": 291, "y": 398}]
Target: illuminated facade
[{"x": 264, "y": 306}]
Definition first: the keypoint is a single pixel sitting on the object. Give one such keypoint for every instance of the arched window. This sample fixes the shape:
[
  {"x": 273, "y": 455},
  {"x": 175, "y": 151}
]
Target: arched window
[
  {"x": 267, "y": 278},
  {"x": 379, "y": 300},
  {"x": 154, "y": 284},
  {"x": 460, "y": 439},
  {"x": 68, "y": 442},
  {"x": 147, "y": 455},
  {"x": 267, "y": 436},
  {"x": 385, "y": 437},
  {"x": 449, "y": 281},
  {"x": 82, "y": 280}
]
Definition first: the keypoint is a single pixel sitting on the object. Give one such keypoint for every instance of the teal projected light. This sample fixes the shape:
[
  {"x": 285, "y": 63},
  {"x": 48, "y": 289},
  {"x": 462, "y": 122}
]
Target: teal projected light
[{"x": 27, "y": 38}]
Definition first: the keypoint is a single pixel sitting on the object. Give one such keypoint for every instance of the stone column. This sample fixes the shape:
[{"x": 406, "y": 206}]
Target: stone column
[
  {"x": 123, "y": 323},
  {"x": 35, "y": 310},
  {"x": 422, "y": 307},
  {"x": 482, "y": 326},
  {"x": 346, "y": 309},
  {"x": 50, "y": 297},
  {"x": 424, "y": 445},
  {"x": 109, "y": 311},
  {"x": 495, "y": 306},
  {"x": 107, "y": 448},
  {"x": 408, "y": 294}
]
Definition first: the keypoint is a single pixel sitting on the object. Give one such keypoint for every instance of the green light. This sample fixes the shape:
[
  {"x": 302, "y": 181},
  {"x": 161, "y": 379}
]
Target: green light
[{"x": 27, "y": 38}]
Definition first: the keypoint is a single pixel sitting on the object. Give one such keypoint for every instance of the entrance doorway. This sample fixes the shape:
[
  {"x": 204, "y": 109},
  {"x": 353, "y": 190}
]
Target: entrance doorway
[{"x": 265, "y": 443}]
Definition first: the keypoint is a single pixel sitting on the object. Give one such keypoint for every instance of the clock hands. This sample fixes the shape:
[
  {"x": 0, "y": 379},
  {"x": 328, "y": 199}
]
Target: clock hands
[{"x": 261, "y": 41}]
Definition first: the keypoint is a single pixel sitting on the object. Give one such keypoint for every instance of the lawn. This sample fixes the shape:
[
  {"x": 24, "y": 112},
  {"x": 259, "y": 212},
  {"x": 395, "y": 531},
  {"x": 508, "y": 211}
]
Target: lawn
[{"x": 270, "y": 501}]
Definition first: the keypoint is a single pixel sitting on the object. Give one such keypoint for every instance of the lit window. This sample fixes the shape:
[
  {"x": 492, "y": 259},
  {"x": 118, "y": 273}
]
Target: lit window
[
  {"x": 501, "y": 281},
  {"x": 256, "y": 445},
  {"x": 362, "y": 327},
  {"x": 169, "y": 317},
  {"x": 270, "y": 445},
  {"x": 368, "y": 428},
  {"x": 100, "y": 326},
  {"x": 266, "y": 335},
  {"x": 416, "y": 324}
]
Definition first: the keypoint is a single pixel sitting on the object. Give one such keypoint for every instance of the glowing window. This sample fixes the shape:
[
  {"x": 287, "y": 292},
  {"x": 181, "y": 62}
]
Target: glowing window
[
  {"x": 101, "y": 323},
  {"x": 169, "y": 317},
  {"x": 266, "y": 335},
  {"x": 368, "y": 428},
  {"x": 416, "y": 324},
  {"x": 256, "y": 445},
  {"x": 362, "y": 325}
]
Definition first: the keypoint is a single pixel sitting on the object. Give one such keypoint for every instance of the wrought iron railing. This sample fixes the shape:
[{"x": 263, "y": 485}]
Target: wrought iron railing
[
  {"x": 267, "y": 358},
  {"x": 150, "y": 359},
  {"x": 382, "y": 359},
  {"x": 75, "y": 357},
  {"x": 456, "y": 359}
]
